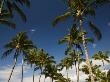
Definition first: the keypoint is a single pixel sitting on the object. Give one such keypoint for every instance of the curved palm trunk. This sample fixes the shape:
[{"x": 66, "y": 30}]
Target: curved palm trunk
[
  {"x": 86, "y": 53},
  {"x": 87, "y": 58},
  {"x": 22, "y": 69},
  {"x": 15, "y": 61}
]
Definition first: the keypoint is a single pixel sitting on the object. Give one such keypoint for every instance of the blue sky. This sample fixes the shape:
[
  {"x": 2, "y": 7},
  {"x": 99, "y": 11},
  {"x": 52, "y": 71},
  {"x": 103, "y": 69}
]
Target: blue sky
[{"x": 40, "y": 30}]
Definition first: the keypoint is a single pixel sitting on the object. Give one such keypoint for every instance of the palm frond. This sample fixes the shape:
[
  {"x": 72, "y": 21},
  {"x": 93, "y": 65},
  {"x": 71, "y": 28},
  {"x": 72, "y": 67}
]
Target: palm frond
[
  {"x": 6, "y": 53},
  {"x": 22, "y": 15},
  {"x": 90, "y": 11},
  {"x": 61, "y": 18},
  {"x": 89, "y": 40},
  {"x": 27, "y": 3},
  {"x": 8, "y": 23},
  {"x": 22, "y": 2},
  {"x": 62, "y": 41},
  {"x": 96, "y": 31},
  {"x": 5, "y": 14}
]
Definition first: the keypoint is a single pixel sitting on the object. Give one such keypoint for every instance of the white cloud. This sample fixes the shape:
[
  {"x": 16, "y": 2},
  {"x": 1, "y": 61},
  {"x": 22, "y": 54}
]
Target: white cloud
[{"x": 16, "y": 77}]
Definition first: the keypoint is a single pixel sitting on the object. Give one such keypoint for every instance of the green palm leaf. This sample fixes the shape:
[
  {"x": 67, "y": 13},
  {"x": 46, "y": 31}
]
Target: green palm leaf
[
  {"x": 95, "y": 30},
  {"x": 22, "y": 15},
  {"x": 8, "y": 23},
  {"x": 6, "y": 53},
  {"x": 61, "y": 18}
]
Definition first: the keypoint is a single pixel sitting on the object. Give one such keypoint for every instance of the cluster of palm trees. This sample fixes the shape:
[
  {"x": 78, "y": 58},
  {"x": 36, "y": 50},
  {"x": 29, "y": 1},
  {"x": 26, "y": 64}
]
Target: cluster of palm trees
[
  {"x": 37, "y": 58},
  {"x": 77, "y": 41},
  {"x": 21, "y": 45},
  {"x": 79, "y": 10}
]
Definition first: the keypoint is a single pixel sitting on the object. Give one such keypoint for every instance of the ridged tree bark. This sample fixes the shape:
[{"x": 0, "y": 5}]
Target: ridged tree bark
[
  {"x": 15, "y": 61},
  {"x": 86, "y": 53}
]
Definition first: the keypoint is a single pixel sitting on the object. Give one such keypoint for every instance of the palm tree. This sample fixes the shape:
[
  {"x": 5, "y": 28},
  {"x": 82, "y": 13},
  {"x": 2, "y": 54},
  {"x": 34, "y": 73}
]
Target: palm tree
[
  {"x": 43, "y": 59},
  {"x": 103, "y": 56},
  {"x": 78, "y": 9},
  {"x": 32, "y": 60},
  {"x": 51, "y": 70},
  {"x": 19, "y": 46},
  {"x": 74, "y": 41},
  {"x": 66, "y": 63}
]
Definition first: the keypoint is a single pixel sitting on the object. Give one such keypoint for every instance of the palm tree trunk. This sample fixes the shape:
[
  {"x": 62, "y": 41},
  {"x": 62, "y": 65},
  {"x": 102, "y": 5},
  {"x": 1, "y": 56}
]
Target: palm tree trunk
[
  {"x": 76, "y": 69},
  {"x": 51, "y": 79},
  {"x": 78, "y": 66},
  {"x": 41, "y": 73},
  {"x": 87, "y": 58},
  {"x": 67, "y": 73},
  {"x": 103, "y": 62},
  {"x": 15, "y": 61},
  {"x": 78, "y": 73},
  {"x": 33, "y": 75},
  {"x": 86, "y": 53},
  {"x": 22, "y": 69},
  {"x": 40, "y": 77},
  {"x": 44, "y": 79}
]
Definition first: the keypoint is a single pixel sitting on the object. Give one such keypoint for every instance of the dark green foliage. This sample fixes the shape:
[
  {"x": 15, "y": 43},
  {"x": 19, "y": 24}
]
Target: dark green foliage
[{"x": 95, "y": 30}]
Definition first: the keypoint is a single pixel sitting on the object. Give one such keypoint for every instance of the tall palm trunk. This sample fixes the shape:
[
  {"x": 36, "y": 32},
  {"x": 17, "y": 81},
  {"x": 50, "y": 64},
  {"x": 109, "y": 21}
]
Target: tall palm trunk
[
  {"x": 40, "y": 77},
  {"x": 75, "y": 67},
  {"x": 103, "y": 62},
  {"x": 86, "y": 53},
  {"x": 33, "y": 73},
  {"x": 51, "y": 79},
  {"x": 87, "y": 59},
  {"x": 40, "y": 74},
  {"x": 67, "y": 73},
  {"x": 78, "y": 73},
  {"x": 22, "y": 69},
  {"x": 15, "y": 61},
  {"x": 78, "y": 66},
  {"x": 44, "y": 79}
]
